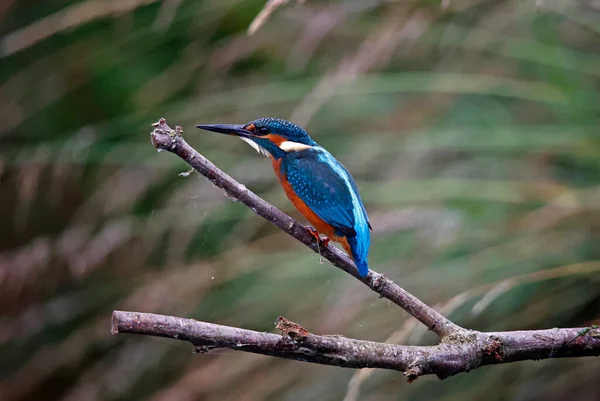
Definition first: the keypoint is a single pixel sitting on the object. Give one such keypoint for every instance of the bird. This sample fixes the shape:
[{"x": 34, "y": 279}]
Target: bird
[{"x": 316, "y": 183}]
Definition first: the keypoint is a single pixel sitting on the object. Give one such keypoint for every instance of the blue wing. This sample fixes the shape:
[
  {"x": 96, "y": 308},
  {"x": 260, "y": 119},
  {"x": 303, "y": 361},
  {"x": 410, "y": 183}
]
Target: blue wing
[{"x": 324, "y": 185}]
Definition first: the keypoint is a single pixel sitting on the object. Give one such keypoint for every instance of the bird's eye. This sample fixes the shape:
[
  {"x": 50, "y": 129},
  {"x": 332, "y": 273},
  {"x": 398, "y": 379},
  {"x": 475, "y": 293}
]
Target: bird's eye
[{"x": 263, "y": 131}]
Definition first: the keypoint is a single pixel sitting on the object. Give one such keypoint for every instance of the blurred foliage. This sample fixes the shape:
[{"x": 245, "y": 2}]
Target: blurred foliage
[{"x": 470, "y": 126}]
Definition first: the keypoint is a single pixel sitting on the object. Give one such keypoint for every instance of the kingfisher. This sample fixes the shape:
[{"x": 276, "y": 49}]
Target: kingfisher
[{"x": 317, "y": 184}]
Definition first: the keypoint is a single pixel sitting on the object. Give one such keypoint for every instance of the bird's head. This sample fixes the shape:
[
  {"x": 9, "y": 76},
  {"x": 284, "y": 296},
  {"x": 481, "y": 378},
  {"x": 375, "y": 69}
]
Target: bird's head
[{"x": 270, "y": 136}]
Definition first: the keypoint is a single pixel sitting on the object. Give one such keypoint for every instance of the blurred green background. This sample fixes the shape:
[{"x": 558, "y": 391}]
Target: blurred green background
[{"x": 471, "y": 127}]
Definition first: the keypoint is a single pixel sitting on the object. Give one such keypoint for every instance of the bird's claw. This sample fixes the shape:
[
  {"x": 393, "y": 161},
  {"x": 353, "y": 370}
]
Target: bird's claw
[{"x": 321, "y": 241}]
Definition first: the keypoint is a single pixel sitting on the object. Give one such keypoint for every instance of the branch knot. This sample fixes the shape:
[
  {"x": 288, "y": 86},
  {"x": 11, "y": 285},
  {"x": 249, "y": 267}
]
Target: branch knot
[{"x": 416, "y": 368}]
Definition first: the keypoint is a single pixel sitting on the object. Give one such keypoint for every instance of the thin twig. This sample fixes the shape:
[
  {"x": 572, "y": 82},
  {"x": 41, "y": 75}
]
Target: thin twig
[
  {"x": 165, "y": 138},
  {"x": 445, "y": 359}
]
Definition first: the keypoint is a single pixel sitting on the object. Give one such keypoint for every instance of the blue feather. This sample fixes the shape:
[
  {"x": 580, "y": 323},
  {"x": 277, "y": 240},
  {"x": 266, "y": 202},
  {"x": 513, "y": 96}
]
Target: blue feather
[
  {"x": 359, "y": 254},
  {"x": 329, "y": 190}
]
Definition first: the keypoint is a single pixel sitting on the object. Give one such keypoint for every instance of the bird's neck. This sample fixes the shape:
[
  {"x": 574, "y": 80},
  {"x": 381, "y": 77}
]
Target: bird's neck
[
  {"x": 279, "y": 148},
  {"x": 270, "y": 148}
]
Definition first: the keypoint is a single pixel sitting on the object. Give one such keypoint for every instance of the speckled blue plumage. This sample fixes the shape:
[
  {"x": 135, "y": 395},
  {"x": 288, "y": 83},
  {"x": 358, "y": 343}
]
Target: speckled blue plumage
[{"x": 329, "y": 190}]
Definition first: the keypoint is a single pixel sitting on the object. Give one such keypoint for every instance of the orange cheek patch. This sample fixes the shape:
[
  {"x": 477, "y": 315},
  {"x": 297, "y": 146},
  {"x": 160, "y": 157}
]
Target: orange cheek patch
[{"x": 276, "y": 139}]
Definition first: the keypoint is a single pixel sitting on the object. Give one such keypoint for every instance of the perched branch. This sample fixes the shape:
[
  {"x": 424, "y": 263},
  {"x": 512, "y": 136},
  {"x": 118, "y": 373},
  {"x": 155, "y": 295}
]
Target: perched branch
[
  {"x": 452, "y": 356},
  {"x": 165, "y": 138},
  {"x": 460, "y": 350}
]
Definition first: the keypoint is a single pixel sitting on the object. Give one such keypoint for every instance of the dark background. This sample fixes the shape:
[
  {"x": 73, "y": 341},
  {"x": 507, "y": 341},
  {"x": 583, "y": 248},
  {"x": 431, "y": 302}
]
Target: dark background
[{"x": 471, "y": 127}]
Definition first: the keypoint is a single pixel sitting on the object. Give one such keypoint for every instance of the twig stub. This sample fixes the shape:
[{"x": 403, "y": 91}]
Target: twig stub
[{"x": 291, "y": 329}]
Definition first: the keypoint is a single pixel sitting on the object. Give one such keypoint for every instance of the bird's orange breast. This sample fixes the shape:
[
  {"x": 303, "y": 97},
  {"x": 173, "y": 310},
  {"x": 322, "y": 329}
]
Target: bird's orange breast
[{"x": 318, "y": 223}]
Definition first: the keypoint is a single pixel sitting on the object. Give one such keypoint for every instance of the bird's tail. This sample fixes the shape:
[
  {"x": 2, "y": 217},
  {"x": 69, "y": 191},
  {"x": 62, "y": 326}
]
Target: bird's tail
[{"x": 359, "y": 254}]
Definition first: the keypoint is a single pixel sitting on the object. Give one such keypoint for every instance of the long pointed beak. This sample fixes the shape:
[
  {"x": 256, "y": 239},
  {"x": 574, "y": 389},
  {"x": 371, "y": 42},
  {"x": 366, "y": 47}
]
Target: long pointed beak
[{"x": 228, "y": 129}]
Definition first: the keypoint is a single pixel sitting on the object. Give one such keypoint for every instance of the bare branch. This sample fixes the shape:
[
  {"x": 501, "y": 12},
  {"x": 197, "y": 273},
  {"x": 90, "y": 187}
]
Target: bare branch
[
  {"x": 460, "y": 350},
  {"x": 165, "y": 138},
  {"x": 452, "y": 356}
]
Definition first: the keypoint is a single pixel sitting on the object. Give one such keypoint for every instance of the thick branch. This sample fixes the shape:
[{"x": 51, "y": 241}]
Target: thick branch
[
  {"x": 164, "y": 138},
  {"x": 452, "y": 356},
  {"x": 459, "y": 351}
]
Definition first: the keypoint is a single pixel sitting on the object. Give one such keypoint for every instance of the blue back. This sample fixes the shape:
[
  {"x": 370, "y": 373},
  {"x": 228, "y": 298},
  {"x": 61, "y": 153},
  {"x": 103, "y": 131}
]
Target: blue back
[{"x": 329, "y": 190}]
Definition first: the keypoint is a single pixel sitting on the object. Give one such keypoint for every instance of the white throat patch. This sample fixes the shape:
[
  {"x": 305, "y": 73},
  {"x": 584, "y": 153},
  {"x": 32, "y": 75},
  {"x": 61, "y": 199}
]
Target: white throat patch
[
  {"x": 286, "y": 146},
  {"x": 255, "y": 146}
]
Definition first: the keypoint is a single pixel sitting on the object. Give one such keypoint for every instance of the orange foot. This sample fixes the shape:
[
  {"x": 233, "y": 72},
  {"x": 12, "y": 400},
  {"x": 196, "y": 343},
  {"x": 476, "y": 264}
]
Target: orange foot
[{"x": 323, "y": 241}]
